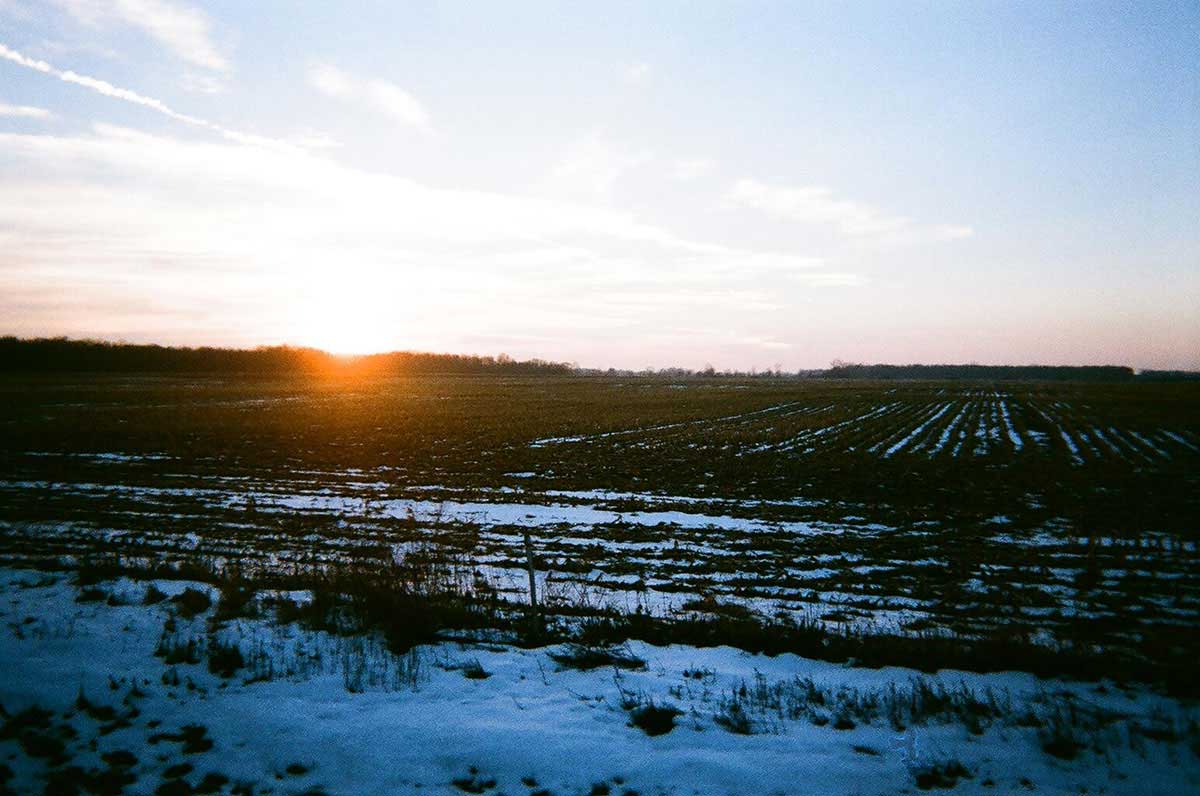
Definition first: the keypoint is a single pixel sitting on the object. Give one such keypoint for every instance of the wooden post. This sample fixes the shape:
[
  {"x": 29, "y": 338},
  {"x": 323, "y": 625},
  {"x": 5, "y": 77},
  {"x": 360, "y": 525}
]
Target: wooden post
[{"x": 533, "y": 604}]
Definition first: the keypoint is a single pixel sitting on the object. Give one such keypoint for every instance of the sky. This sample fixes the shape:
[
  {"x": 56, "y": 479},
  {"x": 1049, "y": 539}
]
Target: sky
[{"x": 748, "y": 185}]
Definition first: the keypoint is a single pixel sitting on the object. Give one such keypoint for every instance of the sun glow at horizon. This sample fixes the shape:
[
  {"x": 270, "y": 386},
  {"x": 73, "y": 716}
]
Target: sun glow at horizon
[{"x": 345, "y": 333}]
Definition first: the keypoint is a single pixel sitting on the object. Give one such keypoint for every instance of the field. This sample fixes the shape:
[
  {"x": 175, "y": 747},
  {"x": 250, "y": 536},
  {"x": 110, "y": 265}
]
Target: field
[
  {"x": 1050, "y": 528},
  {"x": 1062, "y": 513}
]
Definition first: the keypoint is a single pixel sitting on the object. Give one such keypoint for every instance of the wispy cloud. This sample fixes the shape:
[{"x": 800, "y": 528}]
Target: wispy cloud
[
  {"x": 24, "y": 111},
  {"x": 127, "y": 95},
  {"x": 381, "y": 96},
  {"x": 817, "y": 205},
  {"x": 181, "y": 28}
]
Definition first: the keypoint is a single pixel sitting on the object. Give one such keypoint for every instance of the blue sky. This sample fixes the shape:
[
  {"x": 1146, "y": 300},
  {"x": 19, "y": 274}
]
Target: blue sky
[{"x": 746, "y": 184}]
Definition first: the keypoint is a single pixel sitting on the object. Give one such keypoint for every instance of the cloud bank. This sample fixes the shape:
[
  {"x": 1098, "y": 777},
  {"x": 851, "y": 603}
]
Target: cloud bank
[{"x": 249, "y": 243}]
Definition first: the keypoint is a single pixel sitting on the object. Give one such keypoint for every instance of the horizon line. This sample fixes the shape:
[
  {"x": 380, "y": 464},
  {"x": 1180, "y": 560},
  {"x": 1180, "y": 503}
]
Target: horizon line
[{"x": 573, "y": 365}]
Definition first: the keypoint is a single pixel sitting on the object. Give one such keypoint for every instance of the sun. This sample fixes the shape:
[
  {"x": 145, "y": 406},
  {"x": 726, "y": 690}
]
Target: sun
[
  {"x": 346, "y": 335},
  {"x": 364, "y": 325}
]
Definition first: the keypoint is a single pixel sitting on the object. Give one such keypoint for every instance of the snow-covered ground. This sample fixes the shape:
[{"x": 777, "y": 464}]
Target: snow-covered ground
[
  {"x": 626, "y": 550},
  {"x": 314, "y": 713}
]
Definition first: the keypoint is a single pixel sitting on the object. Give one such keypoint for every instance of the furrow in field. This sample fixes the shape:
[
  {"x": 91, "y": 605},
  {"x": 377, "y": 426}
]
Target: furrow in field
[
  {"x": 1070, "y": 443},
  {"x": 861, "y": 434},
  {"x": 1025, "y": 409},
  {"x": 899, "y": 446},
  {"x": 1124, "y": 440},
  {"x": 795, "y": 441},
  {"x": 1146, "y": 442},
  {"x": 949, "y": 430},
  {"x": 981, "y": 447},
  {"x": 770, "y": 429},
  {"x": 994, "y": 420},
  {"x": 811, "y": 439},
  {"x": 747, "y": 426},
  {"x": 1103, "y": 439},
  {"x": 1087, "y": 442},
  {"x": 1071, "y": 446},
  {"x": 964, "y": 431},
  {"x": 880, "y": 433},
  {"x": 931, "y": 440},
  {"x": 1013, "y": 436},
  {"x": 1179, "y": 439},
  {"x": 868, "y": 433},
  {"x": 544, "y": 441}
]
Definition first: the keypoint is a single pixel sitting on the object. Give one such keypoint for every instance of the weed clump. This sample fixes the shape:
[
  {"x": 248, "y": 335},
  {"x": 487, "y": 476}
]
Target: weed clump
[
  {"x": 586, "y": 657},
  {"x": 224, "y": 659},
  {"x": 91, "y": 595},
  {"x": 192, "y": 602},
  {"x": 95, "y": 569},
  {"x": 178, "y": 771},
  {"x": 31, "y": 728},
  {"x": 173, "y": 787},
  {"x": 410, "y": 598},
  {"x": 473, "y": 782},
  {"x": 120, "y": 758},
  {"x": 173, "y": 651},
  {"x": 236, "y": 600},
  {"x": 194, "y": 738},
  {"x": 945, "y": 774},
  {"x": 733, "y": 717},
  {"x": 1069, "y": 728},
  {"x": 211, "y": 783},
  {"x": 654, "y": 719},
  {"x": 710, "y": 605}
]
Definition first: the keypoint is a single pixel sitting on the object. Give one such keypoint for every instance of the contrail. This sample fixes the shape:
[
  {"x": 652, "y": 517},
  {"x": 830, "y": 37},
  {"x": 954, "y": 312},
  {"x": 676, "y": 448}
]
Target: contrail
[{"x": 109, "y": 90}]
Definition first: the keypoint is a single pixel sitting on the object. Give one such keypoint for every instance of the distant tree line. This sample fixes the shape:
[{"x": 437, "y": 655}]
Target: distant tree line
[
  {"x": 1094, "y": 373},
  {"x": 61, "y": 355},
  {"x": 1168, "y": 375}
]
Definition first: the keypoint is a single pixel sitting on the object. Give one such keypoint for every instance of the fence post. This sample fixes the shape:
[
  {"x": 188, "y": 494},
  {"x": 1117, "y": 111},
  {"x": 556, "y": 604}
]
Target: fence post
[{"x": 533, "y": 603}]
